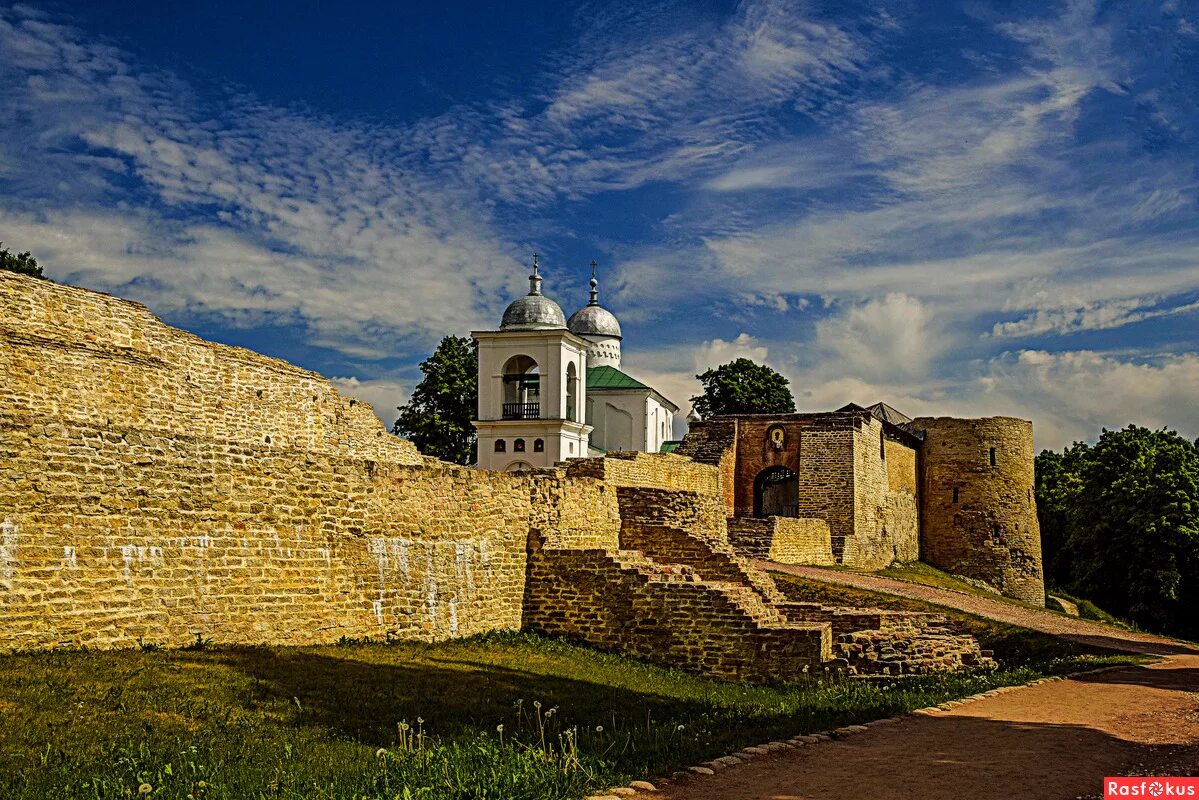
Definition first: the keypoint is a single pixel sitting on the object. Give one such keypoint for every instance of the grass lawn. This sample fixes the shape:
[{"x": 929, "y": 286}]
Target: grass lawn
[
  {"x": 328, "y": 722},
  {"x": 919, "y": 572}
]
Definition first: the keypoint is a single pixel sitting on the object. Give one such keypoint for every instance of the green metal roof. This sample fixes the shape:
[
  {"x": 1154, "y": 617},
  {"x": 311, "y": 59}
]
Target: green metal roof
[
  {"x": 611, "y": 378},
  {"x": 671, "y": 446}
]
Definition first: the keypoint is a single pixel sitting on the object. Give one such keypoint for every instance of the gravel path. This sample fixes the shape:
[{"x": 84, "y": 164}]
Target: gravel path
[{"x": 1053, "y": 741}]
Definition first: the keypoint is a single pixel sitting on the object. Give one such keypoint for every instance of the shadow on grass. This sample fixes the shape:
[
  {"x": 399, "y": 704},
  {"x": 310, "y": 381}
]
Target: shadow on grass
[{"x": 365, "y": 699}]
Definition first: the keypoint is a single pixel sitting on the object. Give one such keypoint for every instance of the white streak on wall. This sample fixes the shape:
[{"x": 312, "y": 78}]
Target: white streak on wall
[
  {"x": 68, "y": 557},
  {"x": 9, "y": 531},
  {"x": 128, "y": 553}
]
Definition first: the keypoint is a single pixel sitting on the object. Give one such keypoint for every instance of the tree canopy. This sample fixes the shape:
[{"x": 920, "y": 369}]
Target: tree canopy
[
  {"x": 1120, "y": 525},
  {"x": 743, "y": 387},
  {"x": 437, "y": 418},
  {"x": 22, "y": 263}
]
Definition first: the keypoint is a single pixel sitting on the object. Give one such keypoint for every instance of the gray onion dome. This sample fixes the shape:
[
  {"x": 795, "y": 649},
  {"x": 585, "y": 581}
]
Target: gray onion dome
[
  {"x": 534, "y": 311},
  {"x": 593, "y": 319}
]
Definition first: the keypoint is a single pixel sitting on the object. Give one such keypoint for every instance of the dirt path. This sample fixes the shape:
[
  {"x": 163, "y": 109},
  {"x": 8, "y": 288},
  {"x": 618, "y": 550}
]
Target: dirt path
[{"x": 1053, "y": 741}]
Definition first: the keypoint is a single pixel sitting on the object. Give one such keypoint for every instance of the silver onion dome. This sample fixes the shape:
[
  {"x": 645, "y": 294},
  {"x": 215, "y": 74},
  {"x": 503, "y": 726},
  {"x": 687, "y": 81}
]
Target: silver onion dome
[
  {"x": 534, "y": 311},
  {"x": 593, "y": 319}
]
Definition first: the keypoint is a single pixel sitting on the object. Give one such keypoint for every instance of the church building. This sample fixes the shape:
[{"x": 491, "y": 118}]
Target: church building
[{"x": 552, "y": 390}]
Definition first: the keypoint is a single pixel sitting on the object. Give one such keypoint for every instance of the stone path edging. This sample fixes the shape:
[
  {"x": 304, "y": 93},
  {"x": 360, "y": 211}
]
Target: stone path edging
[{"x": 747, "y": 754}]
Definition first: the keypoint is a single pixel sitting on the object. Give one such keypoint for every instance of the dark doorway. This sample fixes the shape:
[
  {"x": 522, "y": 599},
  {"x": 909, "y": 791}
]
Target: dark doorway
[{"x": 776, "y": 493}]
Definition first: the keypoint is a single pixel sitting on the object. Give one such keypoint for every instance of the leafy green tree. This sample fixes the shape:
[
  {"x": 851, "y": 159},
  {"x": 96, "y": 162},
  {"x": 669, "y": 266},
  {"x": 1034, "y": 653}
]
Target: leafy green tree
[
  {"x": 1120, "y": 525},
  {"x": 743, "y": 387},
  {"x": 21, "y": 263},
  {"x": 437, "y": 418}
]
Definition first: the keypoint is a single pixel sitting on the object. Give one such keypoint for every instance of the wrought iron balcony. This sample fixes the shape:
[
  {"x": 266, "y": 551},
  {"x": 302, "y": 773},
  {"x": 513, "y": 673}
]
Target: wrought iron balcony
[{"x": 522, "y": 410}]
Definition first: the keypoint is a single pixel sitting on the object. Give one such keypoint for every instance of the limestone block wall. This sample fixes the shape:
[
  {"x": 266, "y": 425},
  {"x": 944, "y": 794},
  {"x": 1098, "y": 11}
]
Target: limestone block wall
[
  {"x": 155, "y": 487},
  {"x": 714, "y": 442},
  {"x": 886, "y": 520},
  {"x": 826, "y": 481},
  {"x": 650, "y": 470},
  {"x": 784, "y": 540},
  {"x": 978, "y": 513}
]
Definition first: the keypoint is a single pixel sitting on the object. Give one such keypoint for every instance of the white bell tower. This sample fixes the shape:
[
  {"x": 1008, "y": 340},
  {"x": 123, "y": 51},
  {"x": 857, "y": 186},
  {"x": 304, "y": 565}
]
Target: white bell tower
[{"x": 532, "y": 386}]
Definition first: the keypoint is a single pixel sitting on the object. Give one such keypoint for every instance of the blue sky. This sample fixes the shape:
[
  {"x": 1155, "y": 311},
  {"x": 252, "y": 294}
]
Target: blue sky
[{"x": 961, "y": 208}]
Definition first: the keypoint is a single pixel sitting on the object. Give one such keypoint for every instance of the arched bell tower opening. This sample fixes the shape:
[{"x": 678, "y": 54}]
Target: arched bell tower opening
[
  {"x": 572, "y": 392},
  {"x": 531, "y": 387},
  {"x": 522, "y": 388},
  {"x": 776, "y": 493}
]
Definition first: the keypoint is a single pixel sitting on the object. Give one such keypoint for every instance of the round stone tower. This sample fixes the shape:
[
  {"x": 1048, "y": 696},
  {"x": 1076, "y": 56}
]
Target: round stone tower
[{"x": 978, "y": 517}]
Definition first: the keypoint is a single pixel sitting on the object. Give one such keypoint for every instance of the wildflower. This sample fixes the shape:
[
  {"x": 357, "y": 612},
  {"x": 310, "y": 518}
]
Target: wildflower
[
  {"x": 500, "y": 728},
  {"x": 420, "y": 721},
  {"x": 680, "y": 727},
  {"x": 381, "y": 753},
  {"x": 536, "y": 704},
  {"x": 144, "y": 790},
  {"x": 599, "y": 728}
]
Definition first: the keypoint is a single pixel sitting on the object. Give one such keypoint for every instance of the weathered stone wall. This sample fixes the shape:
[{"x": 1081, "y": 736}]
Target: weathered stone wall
[
  {"x": 989, "y": 531},
  {"x": 714, "y": 442},
  {"x": 651, "y": 471},
  {"x": 784, "y": 540},
  {"x": 867, "y": 502},
  {"x": 826, "y": 481},
  {"x": 886, "y": 522},
  {"x": 156, "y": 487}
]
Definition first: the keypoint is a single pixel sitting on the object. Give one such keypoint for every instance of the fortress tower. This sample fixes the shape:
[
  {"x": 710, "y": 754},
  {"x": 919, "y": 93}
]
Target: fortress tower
[{"x": 978, "y": 516}]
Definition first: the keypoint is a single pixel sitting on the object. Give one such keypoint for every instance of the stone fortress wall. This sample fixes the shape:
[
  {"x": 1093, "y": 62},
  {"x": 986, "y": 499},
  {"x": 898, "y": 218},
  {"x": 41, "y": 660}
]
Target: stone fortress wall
[
  {"x": 156, "y": 488},
  {"x": 871, "y": 493},
  {"x": 979, "y": 516}
]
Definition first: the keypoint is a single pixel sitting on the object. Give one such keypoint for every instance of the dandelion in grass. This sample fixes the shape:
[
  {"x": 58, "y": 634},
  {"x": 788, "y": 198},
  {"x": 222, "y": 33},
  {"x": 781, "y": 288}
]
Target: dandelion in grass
[{"x": 144, "y": 790}]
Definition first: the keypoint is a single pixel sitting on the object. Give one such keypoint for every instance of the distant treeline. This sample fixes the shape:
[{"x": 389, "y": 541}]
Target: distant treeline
[{"x": 1120, "y": 526}]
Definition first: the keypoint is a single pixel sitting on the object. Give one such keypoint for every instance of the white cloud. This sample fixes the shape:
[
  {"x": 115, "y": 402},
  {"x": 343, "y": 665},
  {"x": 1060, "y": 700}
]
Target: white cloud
[
  {"x": 1072, "y": 395},
  {"x": 886, "y": 338},
  {"x": 1091, "y": 317},
  {"x": 385, "y": 396}
]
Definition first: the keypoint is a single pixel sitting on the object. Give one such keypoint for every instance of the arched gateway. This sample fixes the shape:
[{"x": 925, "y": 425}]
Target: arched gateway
[{"x": 776, "y": 493}]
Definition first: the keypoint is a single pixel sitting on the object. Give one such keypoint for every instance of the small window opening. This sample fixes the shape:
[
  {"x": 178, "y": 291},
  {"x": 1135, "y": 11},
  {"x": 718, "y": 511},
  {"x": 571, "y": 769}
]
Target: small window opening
[
  {"x": 518, "y": 446},
  {"x": 539, "y": 445},
  {"x": 882, "y": 446},
  {"x": 955, "y": 494},
  {"x": 992, "y": 456},
  {"x": 501, "y": 446}
]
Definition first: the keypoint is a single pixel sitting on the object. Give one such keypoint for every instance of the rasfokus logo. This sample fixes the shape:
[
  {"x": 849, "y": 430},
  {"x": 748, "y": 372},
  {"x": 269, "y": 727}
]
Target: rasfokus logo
[{"x": 1150, "y": 787}]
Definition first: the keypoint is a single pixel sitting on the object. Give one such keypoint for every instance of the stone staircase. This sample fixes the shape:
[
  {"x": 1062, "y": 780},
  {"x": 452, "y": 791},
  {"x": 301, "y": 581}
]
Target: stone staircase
[
  {"x": 623, "y": 600},
  {"x": 894, "y": 642},
  {"x": 677, "y": 593}
]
